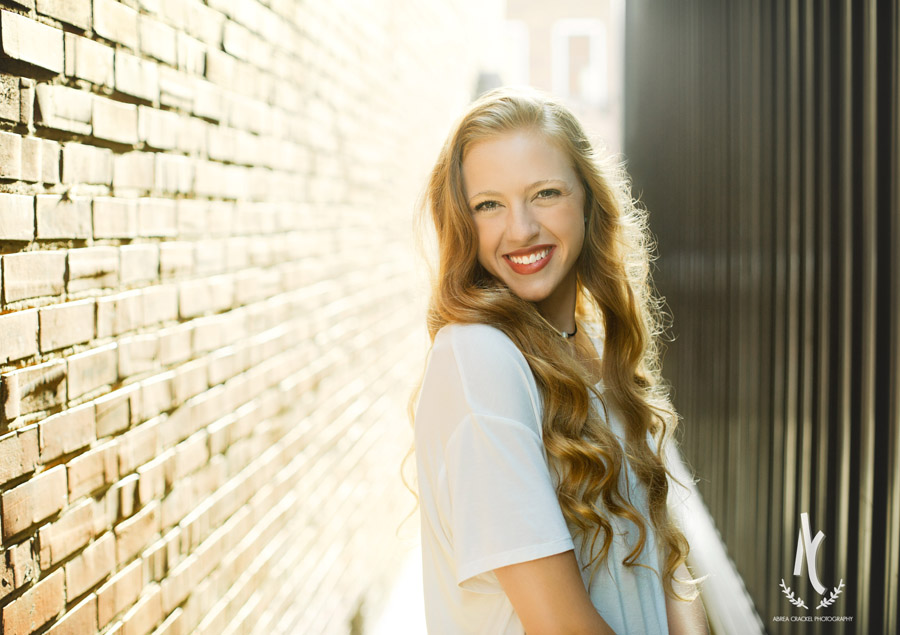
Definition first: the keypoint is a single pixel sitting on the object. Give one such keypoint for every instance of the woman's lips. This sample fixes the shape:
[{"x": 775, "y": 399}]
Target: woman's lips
[{"x": 531, "y": 261}]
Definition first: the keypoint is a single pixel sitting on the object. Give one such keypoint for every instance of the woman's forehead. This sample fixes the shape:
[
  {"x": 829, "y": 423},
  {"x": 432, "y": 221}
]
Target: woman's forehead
[{"x": 513, "y": 157}]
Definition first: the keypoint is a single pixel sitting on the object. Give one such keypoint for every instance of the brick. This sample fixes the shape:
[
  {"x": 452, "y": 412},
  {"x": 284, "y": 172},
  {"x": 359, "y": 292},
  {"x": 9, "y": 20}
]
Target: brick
[
  {"x": 138, "y": 446},
  {"x": 221, "y": 144},
  {"x": 145, "y": 614},
  {"x": 133, "y": 170},
  {"x": 86, "y": 164},
  {"x": 176, "y": 88},
  {"x": 175, "y": 344},
  {"x": 209, "y": 257},
  {"x": 194, "y": 298},
  {"x": 18, "y": 454},
  {"x": 136, "y": 76},
  {"x": 137, "y": 354},
  {"x": 156, "y": 217},
  {"x": 134, "y": 534},
  {"x": 119, "y": 592},
  {"x": 174, "y": 624},
  {"x": 157, "y": 40},
  {"x": 33, "y": 274},
  {"x": 174, "y": 174},
  {"x": 31, "y": 159},
  {"x": 208, "y": 101},
  {"x": 10, "y": 154},
  {"x": 78, "y": 620},
  {"x": 138, "y": 263},
  {"x": 74, "y": 12},
  {"x": 204, "y": 23},
  {"x": 158, "y": 128},
  {"x": 93, "y": 565},
  {"x": 17, "y": 567},
  {"x": 114, "y": 21},
  {"x": 156, "y": 394},
  {"x": 9, "y": 97},
  {"x": 115, "y": 120},
  {"x": 64, "y": 108},
  {"x": 191, "y": 54},
  {"x": 236, "y": 40},
  {"x": 92, "y": 470},
  {"x": 37, "y": 606},
  {"x": 67, "y": 431},
  {"x": 92, "y": 369},
  {"x": 113, "y": 412},
  {"x": 26, "y": 101},
  {"x": 119, "y": 313},
  {"x": 49, "y": 161},
  {"x": 33, "y": 388},
  {"x": 66, "y": 324},
  {"x": 18, "y": 335},
  {"x": 160, "y": 304},
  {"x": 176, "y": 259},
  {"x": 190, "y": 379},
  {"x": 126, "y": 489},
  {"x": 71, "y": 532},
  {"x": 93, "y": 268},
  {"x": 191, "y": 455},
  {"x": 30, "y": 41},
  {"x": 177, "y": 585},
  {"x": 114, "y": 217},
  {"x": 89, "y": 60},
  {"x": 152, "y": 478},
  {"x": 33, "y": 501},
  {"x": 62, "y": 218},
  {"x": 192, "y": 138}
]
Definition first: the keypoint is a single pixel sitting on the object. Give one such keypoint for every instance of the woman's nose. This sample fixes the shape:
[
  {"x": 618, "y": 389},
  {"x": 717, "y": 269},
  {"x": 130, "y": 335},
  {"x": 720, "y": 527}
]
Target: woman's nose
[{"x": 521, "y": 224}]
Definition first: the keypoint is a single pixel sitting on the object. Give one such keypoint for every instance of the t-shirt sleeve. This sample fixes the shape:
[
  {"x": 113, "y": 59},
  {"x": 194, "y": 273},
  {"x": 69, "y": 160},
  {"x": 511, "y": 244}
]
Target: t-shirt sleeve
[
  {"x": 480, "y": 414},
  {"x": 504, "y": 505}
]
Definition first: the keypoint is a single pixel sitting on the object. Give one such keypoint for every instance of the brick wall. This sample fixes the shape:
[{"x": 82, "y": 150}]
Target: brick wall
[{"x": 210, "y": 318}]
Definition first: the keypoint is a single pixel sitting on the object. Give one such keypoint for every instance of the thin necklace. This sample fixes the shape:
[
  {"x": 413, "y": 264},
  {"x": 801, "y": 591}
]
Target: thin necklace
[{"x": 567, "y": 336}]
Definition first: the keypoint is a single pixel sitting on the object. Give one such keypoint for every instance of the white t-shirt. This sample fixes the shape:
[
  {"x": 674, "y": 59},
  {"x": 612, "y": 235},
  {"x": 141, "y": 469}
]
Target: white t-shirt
[{"x": 488, "y": 497}]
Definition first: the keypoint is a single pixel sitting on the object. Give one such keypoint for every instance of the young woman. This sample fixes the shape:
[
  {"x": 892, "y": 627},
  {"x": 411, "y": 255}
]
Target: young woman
[{"x": 541, "y": 417}]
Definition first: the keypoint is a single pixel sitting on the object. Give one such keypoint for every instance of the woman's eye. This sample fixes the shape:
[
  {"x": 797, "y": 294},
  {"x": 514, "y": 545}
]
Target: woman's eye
[
  {"x": 548, "y": 193},
  {"x": 485, "y": 206}
]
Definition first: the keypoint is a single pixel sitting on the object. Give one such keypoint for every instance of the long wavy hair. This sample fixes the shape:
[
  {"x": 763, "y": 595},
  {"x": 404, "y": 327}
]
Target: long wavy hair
[{"x": 615, "y": 294}]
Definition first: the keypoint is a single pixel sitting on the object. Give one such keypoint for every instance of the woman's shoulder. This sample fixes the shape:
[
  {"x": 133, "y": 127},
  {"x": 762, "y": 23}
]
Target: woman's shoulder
[
  {"x": 479, "y": 346},
  {"x": 475, "y": 335},
  {"x": 492, "y": 372}
]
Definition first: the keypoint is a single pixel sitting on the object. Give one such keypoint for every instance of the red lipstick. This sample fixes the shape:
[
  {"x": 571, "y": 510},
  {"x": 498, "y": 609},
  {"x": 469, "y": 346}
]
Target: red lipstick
[{"x": 526, "y": 268}]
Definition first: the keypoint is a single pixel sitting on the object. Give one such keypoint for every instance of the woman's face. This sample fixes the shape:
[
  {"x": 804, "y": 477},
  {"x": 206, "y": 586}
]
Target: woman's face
[{"x": 528, "y": 207}]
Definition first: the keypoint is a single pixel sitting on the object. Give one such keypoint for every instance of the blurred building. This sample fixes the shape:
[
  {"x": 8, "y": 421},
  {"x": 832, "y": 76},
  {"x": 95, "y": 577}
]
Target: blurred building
[{"x": 574, "y": 49}]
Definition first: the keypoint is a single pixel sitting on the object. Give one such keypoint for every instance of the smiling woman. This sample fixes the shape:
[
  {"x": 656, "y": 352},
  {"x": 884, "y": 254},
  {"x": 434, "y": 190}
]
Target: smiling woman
[
  {"x": 529, "y": 233},
  {"x": 541, "y": 421}
]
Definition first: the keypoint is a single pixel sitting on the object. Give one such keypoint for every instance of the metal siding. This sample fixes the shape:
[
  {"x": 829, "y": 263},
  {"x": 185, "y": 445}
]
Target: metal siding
[{"x": 763, "y": 137}]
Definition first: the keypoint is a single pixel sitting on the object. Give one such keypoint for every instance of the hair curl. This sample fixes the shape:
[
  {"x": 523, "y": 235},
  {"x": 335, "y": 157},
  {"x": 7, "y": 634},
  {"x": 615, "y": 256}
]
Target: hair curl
[{"x": 615, "y": 293}]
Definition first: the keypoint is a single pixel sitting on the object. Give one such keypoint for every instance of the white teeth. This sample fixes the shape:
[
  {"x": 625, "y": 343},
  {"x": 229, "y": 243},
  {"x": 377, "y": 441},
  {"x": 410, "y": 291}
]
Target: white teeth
[{"x": 527, "y": 260}]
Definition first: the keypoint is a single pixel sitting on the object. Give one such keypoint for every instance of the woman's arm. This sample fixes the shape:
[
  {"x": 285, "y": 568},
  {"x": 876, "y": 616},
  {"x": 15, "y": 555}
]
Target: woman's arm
[
  {"x": 549, "y": 597},
  {"x": 686, "y": 618}
]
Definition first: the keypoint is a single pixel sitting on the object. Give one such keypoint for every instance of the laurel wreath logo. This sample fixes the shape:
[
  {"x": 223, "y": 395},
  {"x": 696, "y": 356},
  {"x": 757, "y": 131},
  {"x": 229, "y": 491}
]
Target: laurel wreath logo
[
  {"x": 790, "y": 596},
  {"x": 834, "y": 595}
]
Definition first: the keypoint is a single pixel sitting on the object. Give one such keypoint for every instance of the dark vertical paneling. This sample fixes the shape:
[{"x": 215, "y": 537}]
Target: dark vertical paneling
[{"x": 763, "y": 137}]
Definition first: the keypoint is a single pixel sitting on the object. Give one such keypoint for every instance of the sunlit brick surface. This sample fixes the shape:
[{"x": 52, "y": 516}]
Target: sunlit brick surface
[{"x": 211, "y": 311}]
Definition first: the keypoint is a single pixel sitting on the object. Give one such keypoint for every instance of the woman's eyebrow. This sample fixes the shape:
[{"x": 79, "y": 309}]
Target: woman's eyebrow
[{"x": 530, "y": 187}]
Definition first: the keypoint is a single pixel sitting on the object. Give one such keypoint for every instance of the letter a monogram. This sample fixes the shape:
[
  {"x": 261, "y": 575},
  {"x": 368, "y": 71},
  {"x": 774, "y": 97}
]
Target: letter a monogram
[{"x": 809, "y": 547}]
